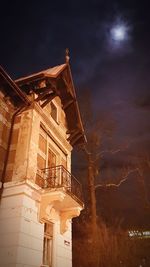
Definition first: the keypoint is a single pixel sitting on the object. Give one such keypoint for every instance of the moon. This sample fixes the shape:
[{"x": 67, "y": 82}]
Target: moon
[{"x": 118, "y": 33}]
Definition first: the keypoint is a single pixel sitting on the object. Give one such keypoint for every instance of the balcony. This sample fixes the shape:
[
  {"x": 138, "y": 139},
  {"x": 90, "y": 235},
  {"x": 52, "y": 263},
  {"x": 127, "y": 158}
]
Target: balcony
[{"x": 61, "y": 192}]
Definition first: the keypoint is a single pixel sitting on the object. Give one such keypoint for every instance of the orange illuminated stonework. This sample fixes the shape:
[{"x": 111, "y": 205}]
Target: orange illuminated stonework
[{"x": 40, "y": 124}]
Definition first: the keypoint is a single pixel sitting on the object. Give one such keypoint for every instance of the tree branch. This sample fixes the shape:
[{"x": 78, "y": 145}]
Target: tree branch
[
  {"x": 109, "y": 151},
  {"x": 124, "y": 179}
]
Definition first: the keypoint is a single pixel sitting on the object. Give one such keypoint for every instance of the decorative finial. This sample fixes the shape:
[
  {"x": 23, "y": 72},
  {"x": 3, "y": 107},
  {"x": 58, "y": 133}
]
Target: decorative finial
[{"x": 67, "y": 55}]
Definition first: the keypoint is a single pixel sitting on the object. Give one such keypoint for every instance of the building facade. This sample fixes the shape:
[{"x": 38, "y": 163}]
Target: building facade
[{"x": 39, "y": 125}]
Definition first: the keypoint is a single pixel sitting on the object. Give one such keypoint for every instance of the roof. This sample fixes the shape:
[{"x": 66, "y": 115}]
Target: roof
[
  {"x": 58, "y": 82},
  {"x": 51, "y": 72}
]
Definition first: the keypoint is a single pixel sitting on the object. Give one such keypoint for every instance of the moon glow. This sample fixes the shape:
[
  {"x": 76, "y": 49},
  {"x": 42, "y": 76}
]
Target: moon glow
[{"x": 119, "y": 33}]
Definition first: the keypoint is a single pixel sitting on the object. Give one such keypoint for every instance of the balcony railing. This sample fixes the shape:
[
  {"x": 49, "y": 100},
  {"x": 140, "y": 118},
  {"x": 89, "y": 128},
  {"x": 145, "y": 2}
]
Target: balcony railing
[{"x": 58, "y": 177}]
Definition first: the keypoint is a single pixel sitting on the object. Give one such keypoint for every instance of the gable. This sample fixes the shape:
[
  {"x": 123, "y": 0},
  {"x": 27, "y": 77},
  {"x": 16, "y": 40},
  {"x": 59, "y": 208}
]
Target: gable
[{"x": 48, "y": 84}]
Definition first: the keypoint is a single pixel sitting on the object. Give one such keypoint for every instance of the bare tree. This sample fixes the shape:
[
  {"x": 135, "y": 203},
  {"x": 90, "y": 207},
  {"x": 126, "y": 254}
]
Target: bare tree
[{"x": 99, "y": 127}]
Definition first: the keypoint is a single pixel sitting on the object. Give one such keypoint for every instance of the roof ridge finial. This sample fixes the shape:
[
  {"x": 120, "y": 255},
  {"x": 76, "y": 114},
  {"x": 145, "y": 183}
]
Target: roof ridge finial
[{"x": 67, "y": 55}]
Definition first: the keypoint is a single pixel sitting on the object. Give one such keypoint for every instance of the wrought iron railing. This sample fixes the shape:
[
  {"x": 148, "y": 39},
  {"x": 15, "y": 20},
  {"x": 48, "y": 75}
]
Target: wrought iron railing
[{"x": 58, "y": 176}]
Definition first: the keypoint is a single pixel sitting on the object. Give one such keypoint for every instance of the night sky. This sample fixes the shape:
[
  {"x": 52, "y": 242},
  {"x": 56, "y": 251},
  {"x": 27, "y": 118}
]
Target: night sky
[{"x": 34, "y": 36}]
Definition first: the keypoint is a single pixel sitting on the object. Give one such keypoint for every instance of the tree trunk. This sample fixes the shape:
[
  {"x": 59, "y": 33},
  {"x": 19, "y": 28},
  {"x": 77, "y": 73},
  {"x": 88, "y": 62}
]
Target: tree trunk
[
  {"x": 91, "y": 186},
  {"x": 93, "y": 213}
]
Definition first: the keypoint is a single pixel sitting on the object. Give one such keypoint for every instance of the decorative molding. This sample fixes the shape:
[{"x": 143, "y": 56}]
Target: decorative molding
[
  {"x": 52, "y": 204},
  {"x": 67, "y": 215},
  {"x": 47, "y": 204},
  {"x": 25, "y": 187}
]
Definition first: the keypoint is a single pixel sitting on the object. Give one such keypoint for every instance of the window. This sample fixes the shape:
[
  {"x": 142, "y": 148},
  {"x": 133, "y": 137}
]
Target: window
[
  {"x": 49, "y": 154},
  {"x": 48, "y": 244},
  {"x": 51, "y": 173},
  {"x": 64, "y": 163},
  {"x": 54, "y": 112},
  {"x": 51, "y": 159},
  {"x": 41, "y": 162},
  {"x": 42, "y": 143},
  {"x": 46, "y": 158}
]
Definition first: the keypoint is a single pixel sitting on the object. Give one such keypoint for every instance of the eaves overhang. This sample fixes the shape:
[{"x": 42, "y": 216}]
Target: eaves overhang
[{"x": 51, "y": 73}]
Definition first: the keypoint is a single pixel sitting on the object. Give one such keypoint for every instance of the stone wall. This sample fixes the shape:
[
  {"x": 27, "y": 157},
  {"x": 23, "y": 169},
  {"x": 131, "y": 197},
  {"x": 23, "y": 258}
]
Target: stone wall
[{"x": 6, "y": 111}]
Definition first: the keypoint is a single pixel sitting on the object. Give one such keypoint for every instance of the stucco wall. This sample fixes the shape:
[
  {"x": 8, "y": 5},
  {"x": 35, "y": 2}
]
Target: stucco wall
[{"x": 21, "y": 242}]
